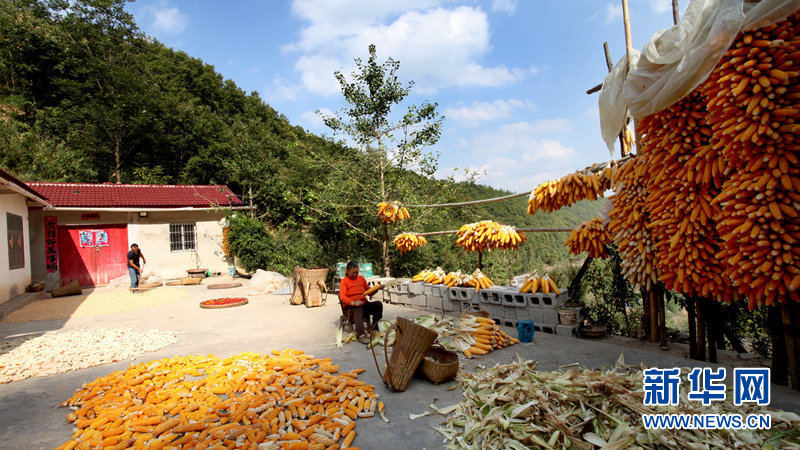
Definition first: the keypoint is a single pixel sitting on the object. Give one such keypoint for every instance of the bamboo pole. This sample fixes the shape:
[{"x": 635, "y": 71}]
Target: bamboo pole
[
  {"x": 526, "y": 230},
  {"x": 626, "y": 19},
  {"x": 675, "y": 13}
]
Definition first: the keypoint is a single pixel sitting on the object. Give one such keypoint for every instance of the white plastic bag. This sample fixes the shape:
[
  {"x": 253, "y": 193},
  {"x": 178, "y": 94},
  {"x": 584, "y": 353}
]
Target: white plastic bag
[
  {"x": 263, "y": 282},
  {"x": 677, "y": 60}
]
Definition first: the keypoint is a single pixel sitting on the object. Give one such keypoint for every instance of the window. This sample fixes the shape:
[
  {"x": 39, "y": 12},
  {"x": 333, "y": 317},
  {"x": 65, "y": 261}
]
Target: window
[
  {"x": 182, "y": 237},
  {"x": 16, "y": 242}
]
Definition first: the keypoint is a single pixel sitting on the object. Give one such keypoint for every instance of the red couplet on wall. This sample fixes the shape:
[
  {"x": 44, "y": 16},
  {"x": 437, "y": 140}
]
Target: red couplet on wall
[{"x": 94, "y": 255}]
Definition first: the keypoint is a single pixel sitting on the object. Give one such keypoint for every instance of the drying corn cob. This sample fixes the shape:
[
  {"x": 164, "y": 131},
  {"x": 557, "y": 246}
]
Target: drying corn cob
[
  {"x": 405, "y": 242},
  {"x": 685, "y": 176},
  {"x": 287, "y": 398},
  {"x": 478, "y": 280},
  {"x": 477, "y": 335},
  {"x": 628, "y": 222},
  {"x": 754, "y": 107},
  {"x": 555, "y": 194},
  {"x": 591, "y": 237},
  {"x": 489, "y": 235},
  {"x": 435, "y": 276},
  {"x": 421, "y": 275},
  {"x": 392, "y": 212},
  {"x": 534, "y": 283}
]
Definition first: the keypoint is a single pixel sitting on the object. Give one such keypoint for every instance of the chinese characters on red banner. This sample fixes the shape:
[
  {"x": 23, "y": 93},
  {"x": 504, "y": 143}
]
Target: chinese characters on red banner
[{"x": 51, "y": 243}]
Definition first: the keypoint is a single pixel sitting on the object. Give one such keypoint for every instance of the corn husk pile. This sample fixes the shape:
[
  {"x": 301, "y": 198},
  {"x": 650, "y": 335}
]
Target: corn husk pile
[
  {"x": 285, "y": 399},
  {"x": 515, "y": 406},
  {"x": 48, "y": 354}
]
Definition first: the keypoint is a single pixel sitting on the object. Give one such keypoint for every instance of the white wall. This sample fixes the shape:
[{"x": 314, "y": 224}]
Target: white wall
[
  {"x": 152, "y": 235},
  {"x": 13, "y": 282}
]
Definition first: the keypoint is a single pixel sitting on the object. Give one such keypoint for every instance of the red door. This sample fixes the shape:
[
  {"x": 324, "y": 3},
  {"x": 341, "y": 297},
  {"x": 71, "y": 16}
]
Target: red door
[{"x": 97, "y": 258}]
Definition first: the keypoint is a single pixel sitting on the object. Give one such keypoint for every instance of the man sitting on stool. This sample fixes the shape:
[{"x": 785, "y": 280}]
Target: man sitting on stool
[{"x": 351, "y": 291}]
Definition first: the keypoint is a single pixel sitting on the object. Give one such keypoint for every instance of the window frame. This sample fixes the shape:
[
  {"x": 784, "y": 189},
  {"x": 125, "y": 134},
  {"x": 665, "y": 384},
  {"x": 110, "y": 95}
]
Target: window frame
[
  {"x": 16, "y": 255},
  {"x": 179, "y": 230}
]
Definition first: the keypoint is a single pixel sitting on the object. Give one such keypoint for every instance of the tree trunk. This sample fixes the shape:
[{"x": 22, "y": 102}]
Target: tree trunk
[
  {"x": 574, "y": 286},
  {"x": 654, "y": 313},
  {"x": 780, "y": 368},
  {"x": 710, "y": 311},
  {"x": 662, "y": 315},
  {"x": 790, "y": 315},
  {"x": 645, "y": 312},
  {"x": 385, "y": 251},
  {"x": 701, "y": 332},
  {"x": 691, "y": 312},
  {"x": 480, "y": 260},
  {"x": 117, "y": 161}
]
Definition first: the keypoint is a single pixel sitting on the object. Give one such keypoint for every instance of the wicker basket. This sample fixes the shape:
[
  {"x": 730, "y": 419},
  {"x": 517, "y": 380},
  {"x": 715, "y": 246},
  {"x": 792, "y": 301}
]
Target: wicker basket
[
  {"x": 71, "y": 288},
  {"x": 309, "y": 287},
  {"x": 438, "y": 364},
  {"x": 223, "y": 285},
  {"x": 410, "y": 344}
]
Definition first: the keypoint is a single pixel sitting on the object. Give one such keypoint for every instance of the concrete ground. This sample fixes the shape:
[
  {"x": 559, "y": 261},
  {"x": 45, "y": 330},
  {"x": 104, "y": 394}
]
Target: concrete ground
[{"x": 31, "y": 415}]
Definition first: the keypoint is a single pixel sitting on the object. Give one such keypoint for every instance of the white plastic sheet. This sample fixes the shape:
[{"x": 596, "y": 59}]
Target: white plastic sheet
[{"x": 677, "y": 60}]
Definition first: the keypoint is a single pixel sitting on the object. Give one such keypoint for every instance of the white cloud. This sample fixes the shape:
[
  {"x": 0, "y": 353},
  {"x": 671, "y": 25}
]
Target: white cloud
[
  {"x": 437, "y": 47},
  {"x": 661, "y": 6},
  {"x": 281, "y": 90},
  {"x": 313, "y": 119},
  {"x": 506, "y": 6},
  {"x": 169, "y": 20},
  {"x": 613, "y": 12},
  {"x": 486, "y": 111}
]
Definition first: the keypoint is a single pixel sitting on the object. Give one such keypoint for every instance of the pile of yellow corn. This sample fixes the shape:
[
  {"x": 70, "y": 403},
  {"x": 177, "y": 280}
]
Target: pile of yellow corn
[
  {"x": 437, "y": 276},
  {"x": 754, "y": 107},
  {"x": 591, "y": 237},
  {"x": 484, "y": 335},
  {"x": 534, "y": 283},
  {"x": 287, "y": 398}
]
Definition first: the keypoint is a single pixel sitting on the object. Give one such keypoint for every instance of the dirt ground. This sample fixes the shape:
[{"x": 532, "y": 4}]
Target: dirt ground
[{"x": 31, "y": 415}]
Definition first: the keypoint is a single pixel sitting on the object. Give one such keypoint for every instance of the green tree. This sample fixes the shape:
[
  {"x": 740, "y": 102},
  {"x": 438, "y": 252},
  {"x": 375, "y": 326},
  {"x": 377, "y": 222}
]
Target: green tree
[{"x": 389, "y": 154}]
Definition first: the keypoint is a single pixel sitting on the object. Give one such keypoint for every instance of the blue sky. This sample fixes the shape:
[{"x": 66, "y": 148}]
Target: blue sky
[{"x": 509, "y": 75}]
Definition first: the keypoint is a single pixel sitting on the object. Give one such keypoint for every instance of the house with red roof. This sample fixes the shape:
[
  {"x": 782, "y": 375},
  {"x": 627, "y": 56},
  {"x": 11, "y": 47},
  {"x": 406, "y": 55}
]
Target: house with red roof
[
  {"x": 15, "y": 252},
  {"x": 85, "y": 230}
]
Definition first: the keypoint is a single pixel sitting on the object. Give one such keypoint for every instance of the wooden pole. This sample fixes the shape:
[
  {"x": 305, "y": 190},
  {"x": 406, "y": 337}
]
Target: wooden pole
[
  {"x": 480, "y": 260},
  {"x": 662, "y": 316},
  {"x": 526, "y": 230},
  {"x": 691, "y": 313},
  {"x": 790, "y": 315},
  {"x": 711, "y": 328},
  {"x": 654, "y": 334},
  {"x": 701, "y": 332},
  {"x": 646, "y": 315},
  {"x": 626, "y": 19},
  {"x": 609, "y": 63},
  {"x": 675, "y": 13},
  {"x": 779, "y": 372}
]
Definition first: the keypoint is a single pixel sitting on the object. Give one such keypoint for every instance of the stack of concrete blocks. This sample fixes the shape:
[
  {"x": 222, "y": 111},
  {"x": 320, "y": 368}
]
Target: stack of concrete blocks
[
  {"x": 383, "y": 295},
  {"x": 491, "y": 301},
  {"x": 461, "y": 298},
  {"x": 516, "y": 306},
  {"x": 544, "y": 310}
]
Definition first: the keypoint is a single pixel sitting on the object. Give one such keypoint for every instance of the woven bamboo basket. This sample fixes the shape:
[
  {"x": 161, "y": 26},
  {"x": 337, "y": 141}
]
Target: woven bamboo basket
[
  {"x": 438, "y": 364},
  {"x": 410, "y": 344},
  {"x": 71, "y": 288},
  {"x": 309, "y": 287}
]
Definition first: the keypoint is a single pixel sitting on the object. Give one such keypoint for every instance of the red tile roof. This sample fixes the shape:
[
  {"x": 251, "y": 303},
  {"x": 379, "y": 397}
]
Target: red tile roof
[{"x": 136, "y": 195}]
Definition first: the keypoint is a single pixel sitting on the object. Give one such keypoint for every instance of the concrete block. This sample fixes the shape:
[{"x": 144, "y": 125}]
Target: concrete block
[
  {"x": 419, "y": 300},
  {"x": 549, "y": 315},
  {"x": 567, "y": 331},
  {"x": 452, "y": 294},
  {"x": 534, "y": 300},
  {"x": 403, "y": 288},
  {"x": 535, "y": 314},
  {"x": 510, "y": 322},
  {"x": 416, "y": 288},
  {"x": 549, "y": 328},
  {"x": 436, "y": 303},
  {"x": 451, "y": 305}
]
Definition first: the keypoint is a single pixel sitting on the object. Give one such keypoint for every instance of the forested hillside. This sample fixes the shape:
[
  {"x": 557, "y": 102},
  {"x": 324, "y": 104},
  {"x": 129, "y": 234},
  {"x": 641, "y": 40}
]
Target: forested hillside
[{"x": 85, "y": 96}]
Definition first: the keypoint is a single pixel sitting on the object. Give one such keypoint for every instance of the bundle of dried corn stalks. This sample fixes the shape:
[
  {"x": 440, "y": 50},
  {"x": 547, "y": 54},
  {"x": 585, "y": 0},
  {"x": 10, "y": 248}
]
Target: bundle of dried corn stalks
[{"x": 515, "y": 406}]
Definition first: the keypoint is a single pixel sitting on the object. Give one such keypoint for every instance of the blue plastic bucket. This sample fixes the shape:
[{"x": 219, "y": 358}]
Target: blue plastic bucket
[{"x": 525, "y": 330}]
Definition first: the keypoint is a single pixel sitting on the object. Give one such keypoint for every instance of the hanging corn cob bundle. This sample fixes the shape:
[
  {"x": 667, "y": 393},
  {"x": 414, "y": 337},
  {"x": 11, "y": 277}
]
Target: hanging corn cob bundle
[
  {"x": 591, "y": 237},
  {"x": 628, "y": 223},
  {"x": 285, "y": 399},
  {"x": 392, "y": 212},
  {"x": 544, "y": 284},
  {"x": 754, "y": 107},
  {"x": 405, "y": 242},
  {"x": 489, "y": 235},
  {"x": 555, "y": 194},
  {"x": 686, "y": 174}
]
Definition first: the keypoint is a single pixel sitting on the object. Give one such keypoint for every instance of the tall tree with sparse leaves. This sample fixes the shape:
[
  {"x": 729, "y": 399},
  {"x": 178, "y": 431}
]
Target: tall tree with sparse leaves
[{"x": 389, "y": 152}]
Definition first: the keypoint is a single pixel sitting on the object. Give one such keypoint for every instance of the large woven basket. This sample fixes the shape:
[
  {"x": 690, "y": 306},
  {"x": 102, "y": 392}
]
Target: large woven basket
[
  {"x": 309, "y": 287},
  {"x": 438, "y": 364},
  {"x": 410, "y": 344},
  {"x": 71, "y": 288}
]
